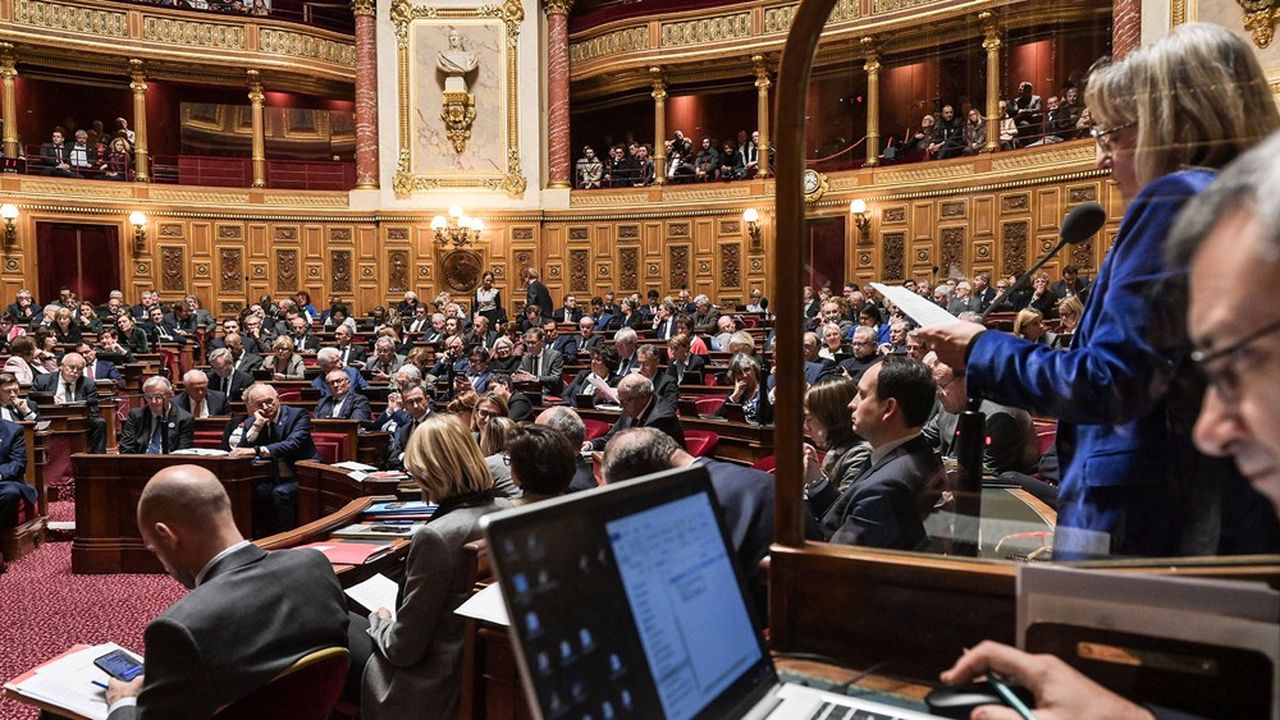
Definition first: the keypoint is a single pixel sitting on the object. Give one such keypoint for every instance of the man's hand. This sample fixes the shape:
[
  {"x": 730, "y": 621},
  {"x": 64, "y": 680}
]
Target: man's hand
[
  {"x": 259, "y": 420},
  {"x": 382, "y": 613},
  {"x": 950, "y": 341},
  {"x": 242, "y": 452},
  {"x": 523, "y": 376},
  {"x": 119, "y": 690},
  {"x": 1060, "y": 691}
]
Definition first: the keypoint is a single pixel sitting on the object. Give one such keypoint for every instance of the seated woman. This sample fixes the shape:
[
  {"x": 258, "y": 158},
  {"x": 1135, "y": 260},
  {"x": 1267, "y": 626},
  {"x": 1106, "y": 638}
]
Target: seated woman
[
  {"x": 413, "y": 660},
  {"x": 65, "y": 327},
  {"x": 684, "y": 366},
  {"x": 1029, "y": 325},
  {"x": 828, "y": 422},
  {"x": 283, "y": 362},
  {"x": 631, "y": 317},
  {"x": 118, "y": 161},
  {"x": 21, "y": 362},
  {"x": 684, "y": 326},
  {"x": 504, "y": 359},
  {"x": 46, "y": 359},
  {"x": 604, "y": 367},
  {"x": 495, "y": 435},
  {"x": 833, "y": 347},
  {"x": 1069, "y": 311},
  {"x": 463, "y": 405},
  {"x": 749, "y": 392},
  {"x": 1042, "y": 298},
  {"x": 975, "y": 132},
  {"x": 543, "y": 463}
]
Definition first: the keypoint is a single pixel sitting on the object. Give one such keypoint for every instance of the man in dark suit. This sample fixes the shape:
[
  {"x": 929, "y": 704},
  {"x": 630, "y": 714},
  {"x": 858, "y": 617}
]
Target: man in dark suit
[
  {"x": 885, "y": 505},
  {"x": 480, "y": 335},
  {"x": 13, "y": 469},
  {"x": 351, "y": 353},
  {"x": 1010, "y": 436},
  {"x": 14, "y": 407},
  {"x": 415, "y": 406},
  {"x": 300, "y": 331},
  {"x": 241, "y": 359},
  {"x": 664, "y": 321},
  {"x": 158, "y": 427},
  {"x": 96, "y": 368},
  {"x": 197, "y": 399},
  {"x": 68, "y": 386},
  {"x": 566, "y": 345},
  {"x": 224, "y": 378},
  {"x": 566, "y": 422},
  {"x": 682, "y": 365},
  {"x": 983, "y": 293},
  {"x": 640, "y": 408},
  {"x": 570, "y": 313},
  {"x": 538, "y": 295},
  {"x": 331, "y": 359},
  {"x": 519, "y": 407},
  {"x": 540, "y": 363},
  {"x": 409, "y": 306},
  {"x": 341, "y": 402},
  {"x": 587, "y": 337},
  {"x": 56, "y": 156},
  {"x": 745, "y": 495},
  {"x": 250, "y": 613},
  {"x": 280, "y": 435},
  {"x": 665, "y": 386},
  {"x": 24, "y": 309},
  {"x": 1070, "y": 284},
  {"x": 864, "y": 353}
]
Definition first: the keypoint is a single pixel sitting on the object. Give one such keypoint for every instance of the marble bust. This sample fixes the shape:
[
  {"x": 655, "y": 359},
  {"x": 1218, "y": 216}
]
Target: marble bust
[{"x": 455, "y": 63}]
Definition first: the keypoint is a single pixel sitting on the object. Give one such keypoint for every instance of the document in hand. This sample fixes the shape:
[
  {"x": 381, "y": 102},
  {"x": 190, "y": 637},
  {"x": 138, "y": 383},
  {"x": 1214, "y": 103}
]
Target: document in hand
[
  {"x": 66, "y": 685},
  {"x": 486, "y": 605},
  {"x": 922, "y": 311},
  {"x": 378, "y": 591}
]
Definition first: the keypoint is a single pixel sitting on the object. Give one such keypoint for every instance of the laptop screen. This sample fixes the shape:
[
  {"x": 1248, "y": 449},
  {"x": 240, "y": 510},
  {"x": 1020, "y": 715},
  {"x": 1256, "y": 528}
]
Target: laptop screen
[{"x": 626, "y": 600}]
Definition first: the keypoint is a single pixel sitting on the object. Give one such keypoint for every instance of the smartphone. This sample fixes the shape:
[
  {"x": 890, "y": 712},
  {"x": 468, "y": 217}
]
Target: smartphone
[{"x": 120, "y": 665}]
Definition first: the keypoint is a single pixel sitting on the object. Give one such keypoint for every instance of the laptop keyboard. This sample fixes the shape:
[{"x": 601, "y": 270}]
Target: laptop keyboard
[{"x": 831, "y": 711}]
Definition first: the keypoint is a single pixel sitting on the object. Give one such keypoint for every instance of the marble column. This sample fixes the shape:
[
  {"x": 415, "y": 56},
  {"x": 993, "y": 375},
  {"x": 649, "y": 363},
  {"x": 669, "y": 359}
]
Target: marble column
[
  {"x": 9, "y": 110},
  {"x": 991, "y": 43},
  {"x": 366, "y": 94},
  {"x": 558, "y": 151},
  {"x": 259, "y": 155},
  {"x": 141, "y": 158},
  {"x": 659, "y": 126},
  {"x": 872, "y": 68},
  {"x": 762, "y": 113}
]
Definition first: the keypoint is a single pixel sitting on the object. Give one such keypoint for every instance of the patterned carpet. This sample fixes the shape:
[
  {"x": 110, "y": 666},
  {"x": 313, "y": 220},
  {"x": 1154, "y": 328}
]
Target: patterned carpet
[{"x": 44, "y": 609}]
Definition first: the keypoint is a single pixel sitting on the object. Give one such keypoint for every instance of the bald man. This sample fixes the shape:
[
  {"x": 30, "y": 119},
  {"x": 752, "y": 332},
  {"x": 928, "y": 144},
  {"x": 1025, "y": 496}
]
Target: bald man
[
  {"x": 197, "y": 399},
  {"x": 278, "y": 434},
  {"x": 159, "y": 427},
  {"x": 640, "y": 408},
  {"x": 250, "y": 614}
]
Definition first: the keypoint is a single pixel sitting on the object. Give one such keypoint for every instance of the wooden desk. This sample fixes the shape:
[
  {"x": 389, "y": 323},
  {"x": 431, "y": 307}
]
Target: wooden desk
[
  {"x": 391, "y": 564},
  {"x": 107, "y": 491},
  {"x": 739, "y": 442},
  {"x": 370, "y": 448},
  {"x": 324, "y": 489},
  {"x": 64, "y": 437}
]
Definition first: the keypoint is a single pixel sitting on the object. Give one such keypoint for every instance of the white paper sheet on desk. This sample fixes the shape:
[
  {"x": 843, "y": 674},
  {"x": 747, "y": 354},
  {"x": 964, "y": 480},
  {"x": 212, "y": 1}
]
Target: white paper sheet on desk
[
  {"x": 602, "y": 387},
  {"x": 922, "y": 311},
  {"x": 67, "y": 683},
  {"x": 204, "y": 452},
  {"x": 378, "y": 591},
  {"x": 353, "y": 465},
  {"x": 486, "y": 605}
]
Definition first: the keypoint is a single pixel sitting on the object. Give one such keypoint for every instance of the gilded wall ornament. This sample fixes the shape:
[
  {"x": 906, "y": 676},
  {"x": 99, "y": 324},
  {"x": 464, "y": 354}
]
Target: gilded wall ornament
[{"x": 1260, "y": 17}]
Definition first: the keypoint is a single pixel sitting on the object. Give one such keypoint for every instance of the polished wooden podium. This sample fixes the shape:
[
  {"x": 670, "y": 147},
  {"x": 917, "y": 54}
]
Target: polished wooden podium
[{"x": 107, "y": 491}]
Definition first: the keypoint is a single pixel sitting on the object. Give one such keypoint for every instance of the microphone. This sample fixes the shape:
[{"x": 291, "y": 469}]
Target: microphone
[{"x": 1083, "y": 222}]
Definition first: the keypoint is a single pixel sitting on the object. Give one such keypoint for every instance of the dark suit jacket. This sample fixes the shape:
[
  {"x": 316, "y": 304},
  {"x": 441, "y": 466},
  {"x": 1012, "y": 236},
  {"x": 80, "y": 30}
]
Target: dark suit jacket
[
  {"x": 580, "y": 383},
  {"x": 13, "y": 459},
  {"x": 353, "y": 353},
  {"x": 306, "y": 343},
  {"x": 694, "y": 365},
  {"x": 565, "y": 315},
  {"x": 178, "y": 433},
  {"x": 983, "y": 298},
  {"x": 519, "y": 408},
  {"x": 354, "y": 407},
  {"x": 566, "y": 345},
  {"x": 86, "y": 391},
  {"x": 217, "y": 402},
  {"x": 290, "y": 441},
  {"x": 551, "y": 373},
  {"x": 249, "y": 362},
  {"x": 1010, "y": 440},
  {"x": 659, "y": 415},
  {"x": 255, "y": 614},
  {"x": 745, "y": 496},
  {"x": 881, "y": 508},
  {"x": 235, "y": 391},
  {"x": 106, "y": 370},
  {"x": 584, "y": 476},
  {"x": 666, "y": 387},
  {"x": 585, "y": 346},
  {"x": 539, "y": 295}
]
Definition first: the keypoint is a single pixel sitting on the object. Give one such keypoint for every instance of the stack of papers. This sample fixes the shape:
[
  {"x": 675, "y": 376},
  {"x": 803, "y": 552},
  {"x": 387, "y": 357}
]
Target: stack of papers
[
  {"x": 203, "y": 452},
  {"x": 379, "y": 529},
  {"x": 67, "y": 682},
  {"x": 400, "y": 510}
]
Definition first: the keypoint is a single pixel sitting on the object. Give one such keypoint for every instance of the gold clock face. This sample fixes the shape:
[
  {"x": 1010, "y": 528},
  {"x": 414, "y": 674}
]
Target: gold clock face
[{"x": 815, "y": 184}]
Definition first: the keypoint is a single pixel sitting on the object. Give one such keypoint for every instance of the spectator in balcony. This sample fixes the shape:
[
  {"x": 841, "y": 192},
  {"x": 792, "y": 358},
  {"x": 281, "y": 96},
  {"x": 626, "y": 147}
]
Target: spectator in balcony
[
  {"x": 751, "y": 155},
  {"x": 1028, "y": 111},
  {"x": 83, "y": 157},
  {"x": 1008, "y": 128},
  {"x": 644, "y": 173},
  {"x": 117, "y": 165},
  {"x": 680, "y": 159},
  {"x": 706, "y": 162},
  {"x": 56, "y": 156},
  {"x": 260, "y": 8},
  {"x": 1071, "y": 102},
  {"x": 948, "y": 136},
  {"x": 122, "y": 129},
  {"x": 917, "y": 146},
  {"x": 618, "y": 170},
  {"x": 731, "y": 166},
  {"x": 1059, "y": 126},
  {"x": 589, "y": 170},
  {"x": 975, "y": 133}
]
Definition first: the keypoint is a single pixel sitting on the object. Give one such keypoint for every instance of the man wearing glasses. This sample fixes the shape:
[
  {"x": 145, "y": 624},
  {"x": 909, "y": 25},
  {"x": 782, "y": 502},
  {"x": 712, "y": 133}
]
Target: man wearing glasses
[
  {"x": 158, "y": 427},
  {"x": 864, "y": 353},
  {"x": 341, "y": 402}
]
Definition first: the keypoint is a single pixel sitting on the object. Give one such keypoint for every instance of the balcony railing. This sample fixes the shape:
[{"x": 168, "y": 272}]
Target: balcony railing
[{"x": 216, "y": 171}]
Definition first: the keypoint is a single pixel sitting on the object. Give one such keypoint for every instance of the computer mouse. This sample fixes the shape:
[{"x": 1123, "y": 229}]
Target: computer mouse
[{"x": 959, "y": 701}]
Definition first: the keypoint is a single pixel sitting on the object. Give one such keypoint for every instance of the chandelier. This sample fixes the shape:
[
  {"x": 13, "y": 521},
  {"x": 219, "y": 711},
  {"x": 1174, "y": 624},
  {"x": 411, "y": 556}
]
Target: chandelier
[{"x": 458, "y": 230}]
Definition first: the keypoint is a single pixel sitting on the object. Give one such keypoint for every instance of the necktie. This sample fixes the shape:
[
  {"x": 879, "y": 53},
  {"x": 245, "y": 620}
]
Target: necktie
[
  {"x": 157, "y": 439},
  {"x": 226, "y": 386},
  {"x": 199, "y": 408},
  {"x": 537, "y": 360},
  {"x": 70, "y": 393},
  {"x": 89, "y": 372},
  {"x": 346, "y": 355}
]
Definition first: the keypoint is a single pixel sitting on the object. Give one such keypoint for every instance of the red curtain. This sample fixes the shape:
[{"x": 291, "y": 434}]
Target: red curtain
[{"x": 85, "y": 258}]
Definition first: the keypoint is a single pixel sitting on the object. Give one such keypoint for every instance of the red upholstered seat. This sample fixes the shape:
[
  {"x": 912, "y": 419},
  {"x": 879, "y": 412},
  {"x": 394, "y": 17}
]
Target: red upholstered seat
[
  {"x": 207, "y": 439},
  {"x": 595, "y": 428},
  {"x": 767, "y": 464},
  {"x": 293, "y": 394},
  {"x": 331, "y": 447},
  {"x": 701, "y": 442},
  {"x": 1047, "y": 434},
  {"x": 708, "y": 405},
  {"x": 307, "y": 690},
  {"x": 749, "y": 321}
]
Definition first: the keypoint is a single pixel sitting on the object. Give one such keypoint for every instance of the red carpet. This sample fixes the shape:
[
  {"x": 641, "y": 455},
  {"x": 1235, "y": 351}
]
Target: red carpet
[{"x": 44, "y": 609}]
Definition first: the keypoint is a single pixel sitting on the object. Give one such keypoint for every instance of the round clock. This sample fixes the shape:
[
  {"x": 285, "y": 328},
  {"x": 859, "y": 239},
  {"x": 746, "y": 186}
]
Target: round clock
[{"x": 814, "y": 184}]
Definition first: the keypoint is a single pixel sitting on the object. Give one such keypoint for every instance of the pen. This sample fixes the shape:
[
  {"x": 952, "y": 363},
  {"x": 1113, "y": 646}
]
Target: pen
[
  {"x": 99, "y": 684},
  {"x": 1009, "y": 696}
]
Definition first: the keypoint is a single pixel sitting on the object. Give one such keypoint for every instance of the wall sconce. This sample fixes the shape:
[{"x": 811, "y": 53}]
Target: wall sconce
[
  {"x": 139, "y": 223},
  {"x": 858, "y": 208},
  {"x": 458, "y": 229},
  {"x": 752, "y": 219},
  {"x": 9, "y": 212}
]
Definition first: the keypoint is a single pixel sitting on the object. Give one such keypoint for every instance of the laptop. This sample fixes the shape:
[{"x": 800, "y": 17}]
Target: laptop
[{"x": 625, "y": 602}]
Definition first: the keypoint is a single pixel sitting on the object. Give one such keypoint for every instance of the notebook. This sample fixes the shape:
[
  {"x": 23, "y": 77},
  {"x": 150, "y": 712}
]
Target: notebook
[{"x": 626, "y": 602}]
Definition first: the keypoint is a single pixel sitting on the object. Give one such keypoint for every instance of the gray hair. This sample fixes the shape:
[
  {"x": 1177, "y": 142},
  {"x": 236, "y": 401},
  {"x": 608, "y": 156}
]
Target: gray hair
[
  {"x": 864, "y": 331},
  {"x": 192, "y": 374},
  {"x": 637, "y": 383},
  {"x": 221, "y": 352},
  {"x": 410, "y": 371},
  {"x": 625, "y": 335},
  {"x": 157, "y": 381},
  {"x": 384, "y": 341},
  {"x": 635, "y": 452},
  {"x": 566, "y": 422},
  {"x": 328, "y": 356},
  {"x": 741, "y": 363},
  {"x": 701, "y": 299}
]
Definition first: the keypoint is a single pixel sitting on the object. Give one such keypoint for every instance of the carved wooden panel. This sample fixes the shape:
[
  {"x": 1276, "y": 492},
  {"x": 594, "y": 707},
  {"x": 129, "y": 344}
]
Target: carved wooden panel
[
  {"x": 952, "y": 251},
  {"x": 340, "y": 271},
  {"x": 286, "y": 232},
  {"x": 678, "y": 269},
  {"x": 628, "y": 232},
  {"x": 953, "y": 209},
  {"x": 1082, "y": 256},
  {"x": 340, "y": 235},
  {"x": 1015, "y": 202},
  {"x": 524, "y": 259},
  {"x": 1013, "y": 247},
  {"x": 1082, "y": 194},
  {"x": 678, "y": 230},
  {"x": 730, "y": 227},
  {"x": 893, "y": 215},
  {"x": 230, "y": 270},
  {"x": 580, "y": 233},
  {"x": 398, "y": 233},
  {"x": 522, "y": 233},
  {"x": 230, "y": 232},
  {"x": 730, "y": 265},
  {"x": 171, "y": 230},
  {"x": 894, "y": 245},
  {"x": 397, "y": 271},
  {"x": 628, "y": 269},
  {"x": 286, "y": 270},
  {"x": 579, "y": 271},
  {"x": 173, "y": 268},
  {"x": 230, "y": 308}
]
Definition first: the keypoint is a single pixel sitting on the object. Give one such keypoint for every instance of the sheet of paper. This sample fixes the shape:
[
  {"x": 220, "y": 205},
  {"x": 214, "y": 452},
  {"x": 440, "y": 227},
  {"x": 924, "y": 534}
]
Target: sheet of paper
[
  {"x": 378, "y": 591},
  {"x": 921, "y": 311},
  {"x": 68, "y": 682},
  {"x": 602, "y": 387},
  {"x": 486, "y": 605},
  {"x": 353, "y": 465},
  {"x": 205, "y": 452}
]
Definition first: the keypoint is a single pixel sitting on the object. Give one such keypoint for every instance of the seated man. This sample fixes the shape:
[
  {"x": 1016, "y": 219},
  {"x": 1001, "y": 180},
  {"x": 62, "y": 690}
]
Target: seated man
[
  {"x": 404, "y": 379},
  {"x": 541, "y": 364},
  {"x": 745, "y": 495},
  {"x": 883, "y": 505},
  {"x": 250, "y": 613},
  {"x": 13, "y": 470},
  {"x": 542, "y": 463},
  {"x": 566, "y": 422},
  {"x": 385, "y": 361},
  {"x": 665, "y": 386},
  {"x": 566, "y": 345},
  {"x": 158, "y": 427},
  {"x": 351, "y": 353},
  {"x": 341, "y": 402},
  {"x": 196, "y": 397},
  {"x": 453, "y": 363},
  {"x": 278, "y": 434},
  {"x": 96, "y": 368},
  {"x": 69, "y": 386},
  {"x": 300, "y": 331},
  {"x": 223, "y": 376},
  {"x": 14, "y": 407},
  {"x": 415, "y": 404},
  {"x": 864, "y": 353},
  {"x": 569, "y": 312},
  {"x": 1010, "y": 442},
  {"x": 519, "y": 408},
  {"x": 587, "y": 337},
  {"x": 640, "y": 408},
  {"x": 328, "y": 359}
]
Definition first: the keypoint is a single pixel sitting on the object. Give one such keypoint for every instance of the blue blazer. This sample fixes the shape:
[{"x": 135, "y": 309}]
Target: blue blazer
[
  {"x": 292, "y": 441},
  {"x": 1111, "y": 390},
  {"x": 358, "y": 383},
  {"x": 13, "y": 459},
  {"x": 354, "y": 407}
]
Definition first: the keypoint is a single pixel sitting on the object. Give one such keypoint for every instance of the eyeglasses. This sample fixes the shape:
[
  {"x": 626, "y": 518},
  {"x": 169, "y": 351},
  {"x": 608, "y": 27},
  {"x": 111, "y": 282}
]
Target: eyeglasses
[
  {"x": 1102, "y": 136},
  {"x": 1222, "y": 367}
]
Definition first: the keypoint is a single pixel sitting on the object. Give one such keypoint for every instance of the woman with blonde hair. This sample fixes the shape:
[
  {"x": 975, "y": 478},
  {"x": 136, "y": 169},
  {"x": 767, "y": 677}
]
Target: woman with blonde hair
[
  {"x": 283, "y": 362},
  {"x": 975, "y": 132},
  {"x": 829, "y": 425},
  {"x": 413, "y": 660},
  {"x": 1029, "y": 325},
  {"x": 494, "y": 438},
  {"x": 1164, "y": 118},
  {"x": 1069, "y": 311}
]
